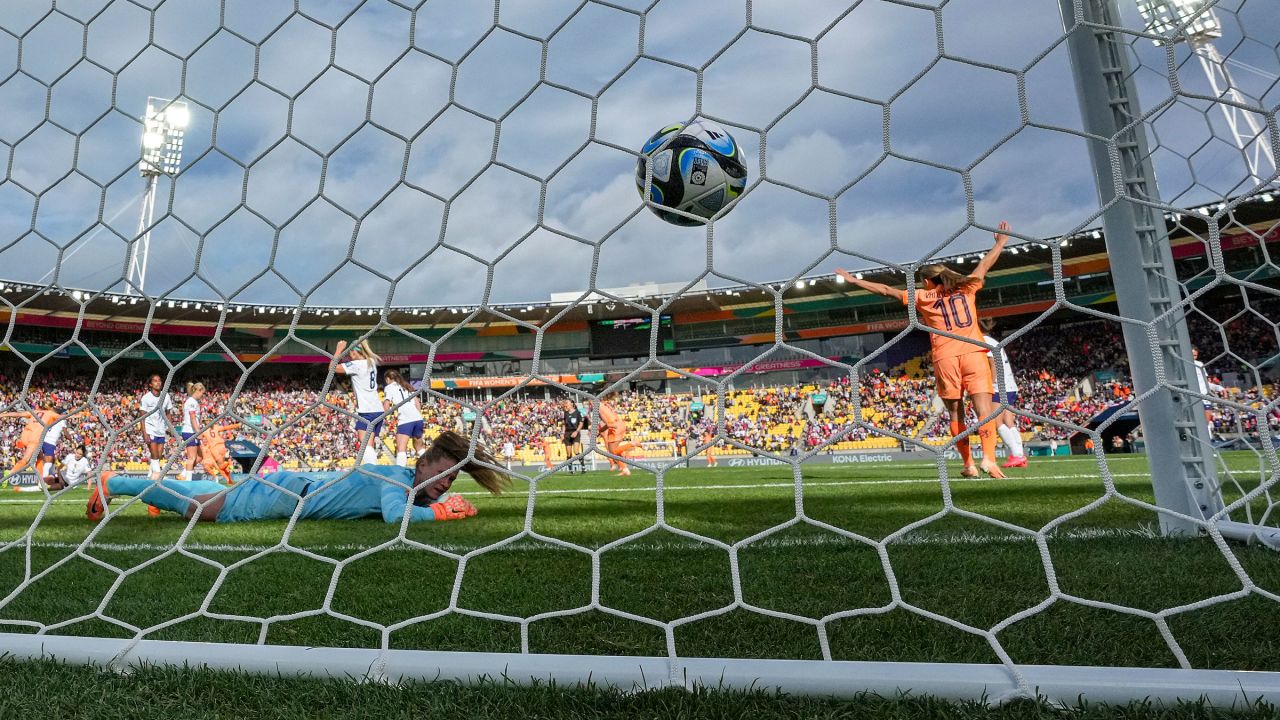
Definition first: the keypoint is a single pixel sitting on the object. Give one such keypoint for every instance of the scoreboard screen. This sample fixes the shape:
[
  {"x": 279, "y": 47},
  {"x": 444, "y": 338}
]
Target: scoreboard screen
[{"x": 629, "y": 337}]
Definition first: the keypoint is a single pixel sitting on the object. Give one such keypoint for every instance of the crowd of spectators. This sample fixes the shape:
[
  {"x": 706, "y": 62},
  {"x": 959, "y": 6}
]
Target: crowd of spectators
[{"x": 1065, "y": 373}]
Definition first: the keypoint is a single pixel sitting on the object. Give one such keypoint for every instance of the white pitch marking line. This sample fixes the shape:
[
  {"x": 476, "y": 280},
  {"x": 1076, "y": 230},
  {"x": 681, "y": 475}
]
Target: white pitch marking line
[
  {"x": 820, "y": 538},
  {"x": 733, "y": 486}
]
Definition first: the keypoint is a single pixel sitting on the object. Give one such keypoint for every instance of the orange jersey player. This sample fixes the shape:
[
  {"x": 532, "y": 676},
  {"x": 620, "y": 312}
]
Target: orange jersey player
[
  {"x": 37, "y": 442},
  {"x": 214, "y": 443},
  {"x": 545, "y": 442},
  {"x": 946, "y": 303},
  {"x": 613, "y": 433},
  {"x": 708, "y": 439}
]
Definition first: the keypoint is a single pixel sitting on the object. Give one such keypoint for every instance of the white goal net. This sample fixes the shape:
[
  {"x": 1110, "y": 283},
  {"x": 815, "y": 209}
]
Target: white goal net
[{"x": 238, "y": 194}]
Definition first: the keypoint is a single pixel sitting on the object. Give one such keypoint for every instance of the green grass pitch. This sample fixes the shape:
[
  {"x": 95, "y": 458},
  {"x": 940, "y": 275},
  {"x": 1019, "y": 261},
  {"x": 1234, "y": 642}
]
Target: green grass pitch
[{"x": 976, "y": 572}]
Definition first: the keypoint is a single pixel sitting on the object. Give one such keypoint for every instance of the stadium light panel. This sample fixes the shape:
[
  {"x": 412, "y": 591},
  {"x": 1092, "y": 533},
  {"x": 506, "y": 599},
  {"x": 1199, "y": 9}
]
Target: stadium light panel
[
  {"x": 839, "y": 279},
  {"x": 178, "y": 116},
  {"x": 163, "y": 132},
  {"x": 1164, "y": 17}
]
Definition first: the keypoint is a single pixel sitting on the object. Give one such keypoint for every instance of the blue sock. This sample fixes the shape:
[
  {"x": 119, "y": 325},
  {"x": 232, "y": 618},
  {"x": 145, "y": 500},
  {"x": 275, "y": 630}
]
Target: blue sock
[{"x": 152, "y": 494}]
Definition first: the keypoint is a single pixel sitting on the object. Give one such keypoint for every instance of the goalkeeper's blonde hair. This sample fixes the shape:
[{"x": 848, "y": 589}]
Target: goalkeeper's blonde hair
[{"x": 455, "y": 447}]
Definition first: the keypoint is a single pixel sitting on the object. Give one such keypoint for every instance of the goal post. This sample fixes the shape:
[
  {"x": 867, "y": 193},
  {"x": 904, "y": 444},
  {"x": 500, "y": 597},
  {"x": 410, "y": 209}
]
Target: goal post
[
  {"x": 1147, "y": 291},
  {"x": 1149, "y": 296}
]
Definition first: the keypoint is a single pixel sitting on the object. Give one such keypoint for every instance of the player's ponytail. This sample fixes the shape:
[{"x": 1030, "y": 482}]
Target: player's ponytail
[
  {"x": 483, "y": 467},
  {"x": 948, "y": 279},
  {"x": 394, "y": 377},
  {"x": 194, "y": 387}
]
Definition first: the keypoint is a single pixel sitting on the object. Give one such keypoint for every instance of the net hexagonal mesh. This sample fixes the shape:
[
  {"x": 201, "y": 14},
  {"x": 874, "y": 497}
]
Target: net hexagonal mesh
[{"x": 413, "y": 174}]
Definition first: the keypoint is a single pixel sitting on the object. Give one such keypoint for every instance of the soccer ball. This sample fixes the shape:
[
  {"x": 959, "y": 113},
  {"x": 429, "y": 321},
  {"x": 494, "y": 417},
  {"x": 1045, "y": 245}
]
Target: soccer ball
[{"x": 697, "y": 170}]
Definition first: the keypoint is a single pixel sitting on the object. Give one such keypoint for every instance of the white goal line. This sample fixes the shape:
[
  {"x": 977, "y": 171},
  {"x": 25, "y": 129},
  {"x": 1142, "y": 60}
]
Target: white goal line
[
  {"x": 818, "y": 539},
  {"x": 725, "y": 486}
]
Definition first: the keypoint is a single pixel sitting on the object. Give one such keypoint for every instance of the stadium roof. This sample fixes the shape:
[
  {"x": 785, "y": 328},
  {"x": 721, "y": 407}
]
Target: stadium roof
[{"x": 103, "y": 308}]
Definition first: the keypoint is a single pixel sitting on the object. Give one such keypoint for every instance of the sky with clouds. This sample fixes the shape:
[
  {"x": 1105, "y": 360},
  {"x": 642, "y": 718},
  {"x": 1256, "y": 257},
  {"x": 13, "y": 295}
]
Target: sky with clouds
[{"x": 362, "y": 153}]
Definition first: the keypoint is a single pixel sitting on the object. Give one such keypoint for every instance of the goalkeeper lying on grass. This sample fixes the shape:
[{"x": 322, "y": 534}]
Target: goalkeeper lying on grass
[{"x": 368, "y": 491}]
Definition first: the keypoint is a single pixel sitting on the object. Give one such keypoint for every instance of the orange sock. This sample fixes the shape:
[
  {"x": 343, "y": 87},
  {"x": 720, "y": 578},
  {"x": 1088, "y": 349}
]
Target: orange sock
[
  {"x": 987, "y": 433},
  {"x": 39, "y": 469},
  {"x": 957, "y": 427}
]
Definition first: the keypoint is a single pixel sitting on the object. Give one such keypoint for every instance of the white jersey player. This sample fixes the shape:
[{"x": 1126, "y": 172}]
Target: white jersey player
[
  {"x": 191, "y": 427},
  {"x": 508, "y": 453},
  {"x": 402, "y": 399},
  {"x": 1205, "y": 386},
  {"x": 155, "y": 404},
  {"x": 362, "y": 367},
  {"x": 76, "y": 467},
  {"x": 1007, "y": 395}
]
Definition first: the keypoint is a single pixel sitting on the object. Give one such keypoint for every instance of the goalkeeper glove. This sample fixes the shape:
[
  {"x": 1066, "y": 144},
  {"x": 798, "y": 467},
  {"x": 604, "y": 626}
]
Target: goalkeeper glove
[{"x": 455, "y": 507}]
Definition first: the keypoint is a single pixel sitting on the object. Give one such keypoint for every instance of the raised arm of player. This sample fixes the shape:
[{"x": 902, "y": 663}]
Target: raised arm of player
[
  {"x": 993, "y": 254},
  {"x": 336, "y": 364},
  {"x": 871, "y": 287}
]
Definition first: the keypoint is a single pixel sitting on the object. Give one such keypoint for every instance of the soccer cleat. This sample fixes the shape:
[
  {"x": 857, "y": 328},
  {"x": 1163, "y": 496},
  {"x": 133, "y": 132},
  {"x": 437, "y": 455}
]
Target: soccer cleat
[
  {"x": 969, "y": 471},
  {"x": 153, "y": 511},
  {"x": 98, "y": 498},
  {"x": 1015, "y": 461},
  {"x": 993, "y": 470}
]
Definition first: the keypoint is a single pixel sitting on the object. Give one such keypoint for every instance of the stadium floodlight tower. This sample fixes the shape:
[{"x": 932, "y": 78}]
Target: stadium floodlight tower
[
  {"x": 1195, "y": 22},
  {"x": 163, "y": 130}
]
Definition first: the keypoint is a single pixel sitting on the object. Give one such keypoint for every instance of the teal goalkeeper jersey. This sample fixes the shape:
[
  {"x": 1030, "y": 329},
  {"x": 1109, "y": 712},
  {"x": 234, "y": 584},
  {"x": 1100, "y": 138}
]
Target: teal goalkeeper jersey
[{"x": 374, "y": 491}]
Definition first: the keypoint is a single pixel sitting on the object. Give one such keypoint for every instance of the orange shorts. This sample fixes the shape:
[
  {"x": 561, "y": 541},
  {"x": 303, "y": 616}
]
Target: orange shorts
[
  {"x": 613, "y": 435},
  {"x": 960, "y": 374}
]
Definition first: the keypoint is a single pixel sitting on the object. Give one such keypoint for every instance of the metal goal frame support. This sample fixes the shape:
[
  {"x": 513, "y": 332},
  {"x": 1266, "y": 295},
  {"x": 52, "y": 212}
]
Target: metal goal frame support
[{"x": 1156, "y": 338}]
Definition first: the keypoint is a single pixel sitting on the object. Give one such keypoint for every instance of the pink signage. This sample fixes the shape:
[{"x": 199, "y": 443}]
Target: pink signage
[{"x": 761, "y": 367}]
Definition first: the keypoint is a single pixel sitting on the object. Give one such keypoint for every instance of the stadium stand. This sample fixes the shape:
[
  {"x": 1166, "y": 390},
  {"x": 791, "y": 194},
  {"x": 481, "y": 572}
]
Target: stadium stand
[{"x": 314, "y": 425}]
